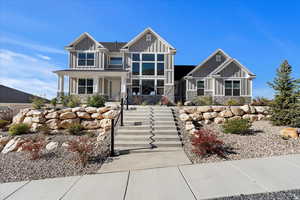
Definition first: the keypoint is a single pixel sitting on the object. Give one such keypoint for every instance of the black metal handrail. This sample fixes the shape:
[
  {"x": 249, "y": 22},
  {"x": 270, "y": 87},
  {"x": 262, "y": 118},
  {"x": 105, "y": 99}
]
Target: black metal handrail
[{"x": 114, "y": 125}]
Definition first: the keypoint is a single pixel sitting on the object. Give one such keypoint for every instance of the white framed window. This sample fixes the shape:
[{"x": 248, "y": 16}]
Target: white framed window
[
  {"x": 160, "y": 87},
  {"x": 135, "y": 87},
  {"x": 218, "y": 58},
  {"x": 148, "y": 64},
  {"x": 86, "y": 59},
  {"x": 232, "y": 87},
  {"x": 148, "y": 87},
  {"x": 200, "y": 88},
  {"x": 116, "y": 61},
  {"x": 148, "y": 37},
  {"x": 85, "y": 86}
]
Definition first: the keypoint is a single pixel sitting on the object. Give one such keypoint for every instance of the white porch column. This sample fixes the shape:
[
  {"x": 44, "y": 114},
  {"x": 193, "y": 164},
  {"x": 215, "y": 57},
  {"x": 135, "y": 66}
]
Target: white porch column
[
  {"x": 61, "y": 84},
  {"x": 102, "y": 85},
  {"x": 123, "y": 86},
  {"x": 96, "y": 84}
]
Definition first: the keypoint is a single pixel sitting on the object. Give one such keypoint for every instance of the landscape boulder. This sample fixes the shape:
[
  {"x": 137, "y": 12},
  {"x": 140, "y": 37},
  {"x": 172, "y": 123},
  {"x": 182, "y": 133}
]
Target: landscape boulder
[
  {"x": 68, "y": 122},
  {"x": 204, "y": 109},
  {"x": 184, "y": 117},
  {"x": 93, "y": 124},
  {"x": 67, "y": 115},
  {"x": 51, "y": 146},
  {"x": 52, "y": 115},
  {"x": 226, "y": 113},
  {"x": 53, "y": 123},
  {"x": 236, "y": 111},
  {"x": 287, "y": 133},
  {"x": 12, "y": 145},
  {"x": 83, "y": 115},
  {"x": 97, "y": 116},
  {"x": 91, "y": 109}
]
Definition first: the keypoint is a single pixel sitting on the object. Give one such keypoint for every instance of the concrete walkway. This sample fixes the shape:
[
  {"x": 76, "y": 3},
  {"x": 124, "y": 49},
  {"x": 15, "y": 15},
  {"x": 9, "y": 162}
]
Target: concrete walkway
[
  {"x": 188, "y": 182},
  {"x": 148, "y": 139}
]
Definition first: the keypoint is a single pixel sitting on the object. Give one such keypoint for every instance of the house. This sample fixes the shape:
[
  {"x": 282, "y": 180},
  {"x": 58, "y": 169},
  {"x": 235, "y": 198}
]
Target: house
[
  {"x": 144, "y": 69},
  {"x": 221, "y": 77}
]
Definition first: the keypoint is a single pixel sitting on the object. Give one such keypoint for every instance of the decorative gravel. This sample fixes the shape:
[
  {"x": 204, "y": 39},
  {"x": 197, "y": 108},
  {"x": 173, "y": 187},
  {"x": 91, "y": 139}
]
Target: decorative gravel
[
  {"x": 16, "y": 166},
  {"x": 264, "y": 141}
]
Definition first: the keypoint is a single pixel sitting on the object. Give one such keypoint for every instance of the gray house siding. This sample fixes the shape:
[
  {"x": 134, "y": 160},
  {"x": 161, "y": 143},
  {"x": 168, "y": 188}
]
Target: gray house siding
[
  {"x": 209, "y": 66},
  {"x": 233, "y": 70},
  {"x": 155, "y": 45}
]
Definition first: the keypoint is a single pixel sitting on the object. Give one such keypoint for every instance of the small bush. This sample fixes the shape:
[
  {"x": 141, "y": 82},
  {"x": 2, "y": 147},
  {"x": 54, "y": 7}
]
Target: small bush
[
  {"x": 165, "y": 101},
  {"x": 203, "y": 101},
  {"x": 96, "y": 101},
  {"x": 261, "y": 101},
  {"x": 37, "y": 102},
  {"x": 83, "y": 147},
  {"x": 206, "y": 143},
  {"x": 237, "y": 126},
  {"x": 34, "y": 147},
  {"x": 18, "y": 129},
  {"x": 73, "y": 101},
  {"x": 75, "y": 129},
  {"x": 53, "y": 102},
  {"x": 3, "y": 123},
  {"x": 232, "y": 102}
]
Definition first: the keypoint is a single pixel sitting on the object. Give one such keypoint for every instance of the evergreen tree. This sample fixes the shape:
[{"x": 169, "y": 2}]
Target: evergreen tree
[{"x": 285, "y": 109}]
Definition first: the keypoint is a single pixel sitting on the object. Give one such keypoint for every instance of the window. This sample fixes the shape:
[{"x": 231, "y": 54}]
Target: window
[
  {"x": 200, "y": 88},
  {"x": 148, "y": 57},
  {"x": 160, "y": 57},
  {"x": 136, "y": 68},
  {"x": 85, "y": 86},
  {"x": 160, "y": 64},
  {"x": 160, "y": 87},
  {"x": 148, "y": 87},
  {"x": 136, "y": 57},
  {"x": 135, "y": 87},
  {"x": 116, "y": 60},
  {"x": 148, "y": 68},
  {"x": 218, "y": 58},
  {"x": 232, "y": 88},
  {"x": 148, "y": 37},
  {"x": 86, "y": 59}
]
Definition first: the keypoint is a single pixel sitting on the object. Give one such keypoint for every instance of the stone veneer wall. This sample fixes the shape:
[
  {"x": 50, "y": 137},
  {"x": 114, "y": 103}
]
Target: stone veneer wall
[
  {"x": 219, "y": 114},
  {"x": 90, "y": 118}
]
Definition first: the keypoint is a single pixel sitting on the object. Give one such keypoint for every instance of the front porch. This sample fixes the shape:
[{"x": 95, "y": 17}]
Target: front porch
[{"x": 85, "y": 83}]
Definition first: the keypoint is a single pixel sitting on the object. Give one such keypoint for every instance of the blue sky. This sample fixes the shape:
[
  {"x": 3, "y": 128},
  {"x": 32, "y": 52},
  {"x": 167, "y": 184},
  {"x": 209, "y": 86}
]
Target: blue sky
[{"x": 260, "y": 34}]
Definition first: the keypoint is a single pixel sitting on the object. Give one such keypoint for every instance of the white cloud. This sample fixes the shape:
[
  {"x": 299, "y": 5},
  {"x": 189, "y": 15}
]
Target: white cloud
[
  {"x": 36, "y": 47},
  {"x": 27, "y": 73},
  {"x": 43, "y": 57}
]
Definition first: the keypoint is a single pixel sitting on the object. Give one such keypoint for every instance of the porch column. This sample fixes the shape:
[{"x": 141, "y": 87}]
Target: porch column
[
  {"x": 97, "y": 89},
  {"x": 60, "y": 85},
  {"x": 102, "y": 86},
  {"x": 123, "y": 86}
]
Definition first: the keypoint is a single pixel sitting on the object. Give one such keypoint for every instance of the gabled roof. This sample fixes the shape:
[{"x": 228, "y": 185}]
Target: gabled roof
[
  {"x": 82, "y": 36},
  {"x": 209, "y": 57},
  {"x": 113, "y": 46},
  {"x": 140, "y": 35},
  {"x": 226, "y": 63}
]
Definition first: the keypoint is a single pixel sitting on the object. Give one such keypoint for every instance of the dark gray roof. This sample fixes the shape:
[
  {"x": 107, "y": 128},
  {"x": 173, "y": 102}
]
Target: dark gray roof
[
  {"x": 10, "y": 95},
  {"x": 113, "y": 46}
]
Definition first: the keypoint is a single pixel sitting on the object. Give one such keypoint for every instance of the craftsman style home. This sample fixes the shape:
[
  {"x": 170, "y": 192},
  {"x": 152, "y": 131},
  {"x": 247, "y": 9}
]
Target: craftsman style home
[{"x": 143, "y": 69}]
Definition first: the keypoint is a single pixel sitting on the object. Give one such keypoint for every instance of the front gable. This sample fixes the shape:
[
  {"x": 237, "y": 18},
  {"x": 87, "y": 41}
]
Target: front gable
[
  {"x": 209, "y": 64},
  {"x": 84, "y": 42},
  {"x": 155, "y": 44}
]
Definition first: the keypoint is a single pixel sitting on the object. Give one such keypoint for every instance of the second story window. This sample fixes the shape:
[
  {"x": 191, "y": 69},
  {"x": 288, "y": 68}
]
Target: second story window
[
  {"x": 86, "y": 59},
  {"x": 116, "y": 60}
]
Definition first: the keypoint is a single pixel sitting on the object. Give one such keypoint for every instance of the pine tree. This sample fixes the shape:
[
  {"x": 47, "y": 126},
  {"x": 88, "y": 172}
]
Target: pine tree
[{"x": 285, "y": 109}]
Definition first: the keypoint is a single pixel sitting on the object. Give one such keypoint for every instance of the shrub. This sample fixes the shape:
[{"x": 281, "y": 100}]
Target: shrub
[
  {"x": 75, "y": 129},
  {"x": 3, "y": 123},
  {"x": 236, "y": 126},
  {"x": 53, "y": 102},
  {"x": 203, "y": 101},
  {"x": 232, "y": 102},
  {"x": 165, "y": 101},
  {"x": 260, "y": 101},
  {"x": 83, "y": 148},
  {"x": 73, "y": 101},
  {"x": 37, "y": 102},
  {"x": 18, "y": 129},
  {"x": 206, "y": 143},
  {"x": 34, "y": 147},
  {"x": 96, "y": 101}
]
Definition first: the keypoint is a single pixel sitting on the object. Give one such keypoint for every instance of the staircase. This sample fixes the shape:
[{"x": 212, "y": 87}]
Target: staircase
[{"x": 148, "y": 129}]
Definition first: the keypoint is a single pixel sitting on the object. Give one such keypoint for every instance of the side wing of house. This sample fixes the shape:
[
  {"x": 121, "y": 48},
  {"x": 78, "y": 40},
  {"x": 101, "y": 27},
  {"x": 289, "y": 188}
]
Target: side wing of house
[{"x": 198, "y": 81}]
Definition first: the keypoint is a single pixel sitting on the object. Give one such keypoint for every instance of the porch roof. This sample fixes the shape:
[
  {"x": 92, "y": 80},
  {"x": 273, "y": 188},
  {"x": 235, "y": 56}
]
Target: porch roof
[{"x": 91, "y": 72}]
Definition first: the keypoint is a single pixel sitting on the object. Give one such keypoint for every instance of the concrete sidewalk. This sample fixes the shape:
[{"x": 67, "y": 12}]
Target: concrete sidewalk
[{"x": 200, "y": 181}]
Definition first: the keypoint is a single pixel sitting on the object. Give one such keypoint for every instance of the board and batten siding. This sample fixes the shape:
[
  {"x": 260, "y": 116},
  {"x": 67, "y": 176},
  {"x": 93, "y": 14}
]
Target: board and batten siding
[
  {"x": 233, "y": 70},
  {"x": 155, "y": 45},
  {"x": 245, "y": 86}
]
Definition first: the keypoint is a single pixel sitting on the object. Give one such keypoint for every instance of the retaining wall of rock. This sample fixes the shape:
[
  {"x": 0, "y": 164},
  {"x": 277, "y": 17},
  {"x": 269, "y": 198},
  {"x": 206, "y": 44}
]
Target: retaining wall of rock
[
  {"x": 90, "y": 118},
  {"x": 219, "y": 114}
]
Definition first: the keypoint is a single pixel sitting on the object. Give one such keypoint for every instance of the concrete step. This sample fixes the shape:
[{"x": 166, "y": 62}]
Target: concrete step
[
  {"x": 133, "y": 123},
  {"x": 145, "y": 144},
  {"x": 163, "y": 119},
  {"x": 170, "y": 127},
  {"x": 147, "y": 150},
  {"x": 134, "y": 132},
  {"x": 142, "y": 127},
  {"x": 123, "y": 137},
  {"x": 165, "y": 132},
  {"x": 164, "y": 123}
]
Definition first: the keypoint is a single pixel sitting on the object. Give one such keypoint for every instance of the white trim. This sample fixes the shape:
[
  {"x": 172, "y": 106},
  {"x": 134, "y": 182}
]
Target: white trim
[
  {"x": 85, "y": 34},
  {"x": 232, "y": 87},
  {"x": 140, "y": 35},
  {"x": 224, "y": 65},
  {"x": 209, "y": 57},
  {"x": 86, "y": 66}
]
